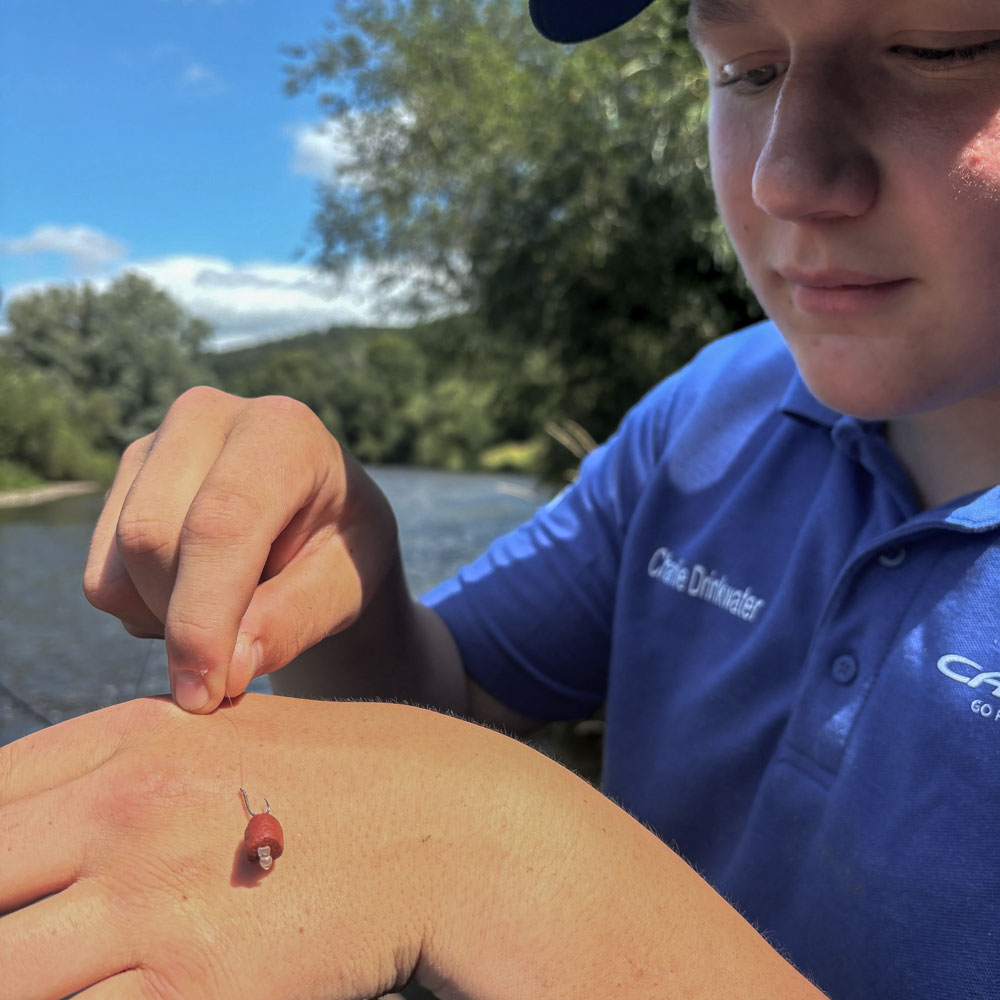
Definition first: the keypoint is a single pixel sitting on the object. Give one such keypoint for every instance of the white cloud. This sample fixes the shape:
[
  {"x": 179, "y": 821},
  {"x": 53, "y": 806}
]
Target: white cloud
[
  {"x": 320, "y": 150},
  {"x": 244, "y": 302},
  {"x": 264, "y": 300},
  {"x": 196, "y": 73},
  {"x": 176, "y": 64},
  {"x": 89, "y": 250},
  {"x": 198, "y": 77},
  {"x": 325, "y": 151}
]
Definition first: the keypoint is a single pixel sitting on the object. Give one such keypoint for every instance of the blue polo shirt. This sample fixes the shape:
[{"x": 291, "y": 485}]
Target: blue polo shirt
[{"x": 800, "y": 667}]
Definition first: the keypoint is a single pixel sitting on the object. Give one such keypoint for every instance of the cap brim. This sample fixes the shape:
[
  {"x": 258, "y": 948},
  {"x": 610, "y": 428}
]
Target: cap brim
[{"x": 578, "y": 20}]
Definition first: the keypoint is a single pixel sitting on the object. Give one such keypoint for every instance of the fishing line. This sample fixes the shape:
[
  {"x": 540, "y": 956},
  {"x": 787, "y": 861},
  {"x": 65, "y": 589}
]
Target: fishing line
[
  {"x": 231, "y": 717},
  {"x": 239, "y": 747},
  {"x": 19, "y": 702},
  {"x": 264, "y": 838},
  {"x": 26, "y": 706},
  {"x": 142, "y": 673}
]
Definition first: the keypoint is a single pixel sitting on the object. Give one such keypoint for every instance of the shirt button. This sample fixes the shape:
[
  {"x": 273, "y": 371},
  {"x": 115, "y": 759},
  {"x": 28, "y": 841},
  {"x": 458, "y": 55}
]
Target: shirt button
[
  {"x": 892, "y": 558},
  {"x": 844, "y": 669}
]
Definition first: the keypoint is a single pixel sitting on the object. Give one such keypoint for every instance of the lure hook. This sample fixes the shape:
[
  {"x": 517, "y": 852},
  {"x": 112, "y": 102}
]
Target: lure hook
[
  {"x": 267, "y": 810},
  {"x": 264, "y": 838}
]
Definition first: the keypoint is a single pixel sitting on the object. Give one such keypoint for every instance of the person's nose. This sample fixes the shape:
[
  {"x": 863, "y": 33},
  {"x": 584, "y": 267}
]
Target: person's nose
[{"x": 815, "y": 162}]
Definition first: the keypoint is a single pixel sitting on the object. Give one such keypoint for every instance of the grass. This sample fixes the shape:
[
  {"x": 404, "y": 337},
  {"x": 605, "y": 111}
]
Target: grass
[{"x": 513, "y": 456}]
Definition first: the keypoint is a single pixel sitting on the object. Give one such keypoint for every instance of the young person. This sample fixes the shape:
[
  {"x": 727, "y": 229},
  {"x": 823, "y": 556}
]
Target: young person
[{"x": 780, "y": 576}]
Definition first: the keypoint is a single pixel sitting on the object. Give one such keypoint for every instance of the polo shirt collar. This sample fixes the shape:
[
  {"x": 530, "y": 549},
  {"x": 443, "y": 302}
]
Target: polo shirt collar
[
  {"x": 975, "y": 512},
  {"x": 979, "y": 512},
  {"x": 798, "y": 401}
]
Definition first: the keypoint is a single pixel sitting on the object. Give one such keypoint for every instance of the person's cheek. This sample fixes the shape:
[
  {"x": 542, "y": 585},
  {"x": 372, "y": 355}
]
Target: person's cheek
[
  {"x": 976, "y": 171},
  {"x": 733, "y": 153}
]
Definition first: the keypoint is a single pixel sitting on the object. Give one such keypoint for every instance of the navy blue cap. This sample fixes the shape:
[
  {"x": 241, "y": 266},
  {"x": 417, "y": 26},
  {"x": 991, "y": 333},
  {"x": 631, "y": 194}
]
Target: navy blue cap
[{"x": 578, "y": 20}]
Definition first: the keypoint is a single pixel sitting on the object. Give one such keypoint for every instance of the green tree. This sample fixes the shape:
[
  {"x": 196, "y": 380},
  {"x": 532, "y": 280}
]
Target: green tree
[
  {"x": 308, "y": 375},
  {"x": 44, "y": 433},
  {"x": 129, "y": 350},
  {"x": 391, "y": 396},
  {"x": 392, "y": 374},
  {"x": 455, "y": 424},
  {"x": 563, "y": 195}
]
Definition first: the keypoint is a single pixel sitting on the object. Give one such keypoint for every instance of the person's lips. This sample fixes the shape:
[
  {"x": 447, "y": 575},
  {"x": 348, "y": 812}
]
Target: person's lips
[{"x": 841, "y": 292}]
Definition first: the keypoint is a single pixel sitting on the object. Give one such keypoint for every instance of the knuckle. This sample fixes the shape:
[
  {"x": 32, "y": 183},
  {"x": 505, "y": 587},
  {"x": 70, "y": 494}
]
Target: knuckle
[
  {"x": 200, "y": 642},
  {"x": 187, "y": 633},
  {"x": 127, "y": 802},
  {"x": 111, "y": 592},
  {"x": 220, "y": 516},
  {"x": 199, "y": 396},
  {"x": 117, "y": 599},
  {"x": 93, "y": 586},
  {"x": 286, "y": 410},
  {"x": 139, "y": 535},
  {"x": 103, "y": 597},
  {"x": 126, "y": 788},
  {"x": 137, "y": 450}
]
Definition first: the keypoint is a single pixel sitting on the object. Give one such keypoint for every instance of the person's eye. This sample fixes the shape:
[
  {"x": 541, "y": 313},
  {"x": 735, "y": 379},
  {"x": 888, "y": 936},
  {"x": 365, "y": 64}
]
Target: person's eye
[
  {"x": 938, "y": 59},
  {"x": 756, "y": 78}
]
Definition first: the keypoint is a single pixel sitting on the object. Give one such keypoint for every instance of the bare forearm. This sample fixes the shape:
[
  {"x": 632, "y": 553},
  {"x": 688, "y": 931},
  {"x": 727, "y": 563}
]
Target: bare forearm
[
  {"x": 565, "y": 895},
  {"x": 421, "y": 844}
]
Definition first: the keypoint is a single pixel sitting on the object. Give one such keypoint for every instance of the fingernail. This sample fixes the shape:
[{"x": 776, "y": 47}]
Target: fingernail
[
  {"x": 190, "y": 691},
  {"x": 256, "y": 657}
]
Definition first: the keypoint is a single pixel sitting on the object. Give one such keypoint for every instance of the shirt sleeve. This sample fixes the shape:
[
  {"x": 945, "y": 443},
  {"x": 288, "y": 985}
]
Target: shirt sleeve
[{"x": 533, "y": 616}]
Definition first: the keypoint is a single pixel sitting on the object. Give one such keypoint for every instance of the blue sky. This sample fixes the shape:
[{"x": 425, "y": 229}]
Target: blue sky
[{"x": 154, "y": 135}]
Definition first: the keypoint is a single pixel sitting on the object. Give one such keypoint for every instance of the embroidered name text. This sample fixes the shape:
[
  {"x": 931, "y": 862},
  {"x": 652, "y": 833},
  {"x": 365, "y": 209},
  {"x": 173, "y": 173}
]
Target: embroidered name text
[{"x": 704, "y": 584}]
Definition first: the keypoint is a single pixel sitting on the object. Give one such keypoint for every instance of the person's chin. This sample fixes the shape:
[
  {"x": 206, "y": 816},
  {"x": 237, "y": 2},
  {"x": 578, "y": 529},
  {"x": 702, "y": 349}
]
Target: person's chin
[
  {"x": 855, "y": 383},
  {"x": 853, "y": 401}
]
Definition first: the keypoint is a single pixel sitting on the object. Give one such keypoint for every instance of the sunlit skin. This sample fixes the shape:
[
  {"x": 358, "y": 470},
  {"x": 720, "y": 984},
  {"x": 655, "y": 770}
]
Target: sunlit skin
[{"x": 856, "y": 159}]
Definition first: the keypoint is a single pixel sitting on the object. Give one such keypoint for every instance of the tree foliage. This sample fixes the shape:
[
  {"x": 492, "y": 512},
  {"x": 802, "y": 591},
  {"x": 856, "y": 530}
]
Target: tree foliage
[
  {"x": 43, "y": 433},
  {"x": 390, "y": 396},
  {"x": 556, "y": 200},
  {"x": 561, "y": 194},
  {"x": 84, "y": 372},
  {"x": 129, "y": 350}
]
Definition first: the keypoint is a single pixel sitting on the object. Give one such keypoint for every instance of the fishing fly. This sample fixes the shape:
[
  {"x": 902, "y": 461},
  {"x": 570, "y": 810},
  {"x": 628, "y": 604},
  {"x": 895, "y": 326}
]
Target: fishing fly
[{"x": 263, "y": 836}]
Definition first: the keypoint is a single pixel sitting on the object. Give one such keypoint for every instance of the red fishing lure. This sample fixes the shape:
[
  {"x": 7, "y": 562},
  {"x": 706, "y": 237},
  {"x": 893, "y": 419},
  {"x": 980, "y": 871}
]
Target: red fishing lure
[{"x": 263, "y": 836}]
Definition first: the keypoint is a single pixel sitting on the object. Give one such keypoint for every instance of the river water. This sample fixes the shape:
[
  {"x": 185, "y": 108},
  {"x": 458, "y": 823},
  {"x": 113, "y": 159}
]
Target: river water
[{"x": 59, "y": 657}]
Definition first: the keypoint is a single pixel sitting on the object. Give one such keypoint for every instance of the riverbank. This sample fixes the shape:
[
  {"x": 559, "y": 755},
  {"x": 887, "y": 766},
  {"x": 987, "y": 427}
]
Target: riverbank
[{"x": 30, "y": 496}]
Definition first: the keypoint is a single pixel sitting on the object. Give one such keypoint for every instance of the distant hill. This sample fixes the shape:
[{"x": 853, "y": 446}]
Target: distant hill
[
  {"x": 240, "y": 360},
  {"x": 433, "y": 337},
  {"x": 439, "y": 394}
]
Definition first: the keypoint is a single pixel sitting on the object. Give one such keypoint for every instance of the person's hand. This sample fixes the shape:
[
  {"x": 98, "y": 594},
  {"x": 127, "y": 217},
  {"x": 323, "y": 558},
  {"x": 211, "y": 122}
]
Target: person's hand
[
  {"x": 408, "y": 839},
  {"x": 243, "y": 534},
  {"x": 124, "y": 871},
  {"x": 416, "y": 845}
]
